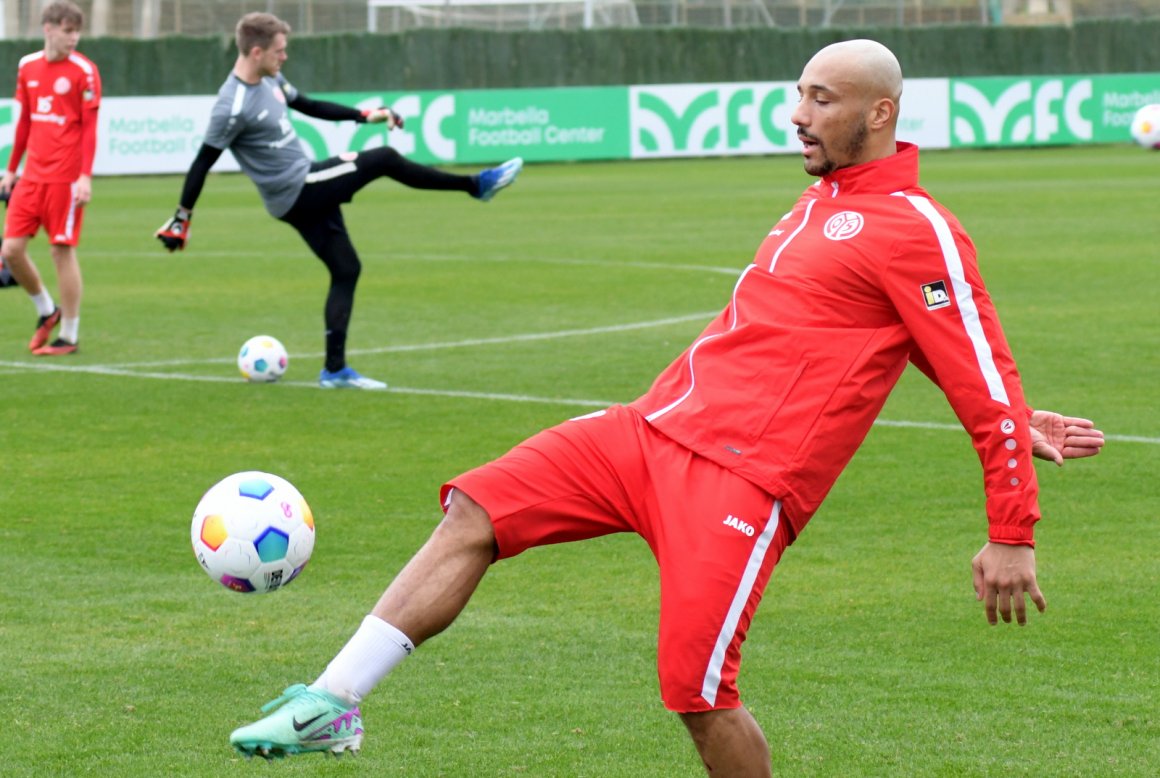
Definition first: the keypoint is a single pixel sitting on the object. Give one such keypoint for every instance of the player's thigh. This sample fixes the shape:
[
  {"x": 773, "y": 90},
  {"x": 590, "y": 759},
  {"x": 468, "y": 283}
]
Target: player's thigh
[
  {"x": 722, "y": 537},
  {"x": 324, "y": 231},
  {"x": 336, "y": 180},
  {"x": 557, "y": 486}
]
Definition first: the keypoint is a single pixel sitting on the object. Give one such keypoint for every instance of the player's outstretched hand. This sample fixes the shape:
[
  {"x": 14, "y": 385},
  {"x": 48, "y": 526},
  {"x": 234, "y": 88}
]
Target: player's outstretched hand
[
  {"x": 175, "y": 232},
  {"x": 1055, "y": 437},
  {"x": 380, "y": 115},
  {"x": 1004, "y": 575}
]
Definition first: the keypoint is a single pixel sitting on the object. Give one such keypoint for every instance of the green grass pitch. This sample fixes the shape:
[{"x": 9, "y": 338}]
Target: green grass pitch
[{"x": 869, "y": 656}]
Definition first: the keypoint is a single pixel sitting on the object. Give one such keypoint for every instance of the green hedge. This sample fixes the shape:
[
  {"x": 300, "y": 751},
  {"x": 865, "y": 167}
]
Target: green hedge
[{"x": 476, "y": 59}]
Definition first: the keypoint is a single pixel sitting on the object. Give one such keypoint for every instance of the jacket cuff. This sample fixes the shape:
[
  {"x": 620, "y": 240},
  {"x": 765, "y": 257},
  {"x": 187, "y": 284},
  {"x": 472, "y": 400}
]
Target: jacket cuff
[
  {"x": 1012, "y": 519},
  {"x": 1011, "y": 536}
]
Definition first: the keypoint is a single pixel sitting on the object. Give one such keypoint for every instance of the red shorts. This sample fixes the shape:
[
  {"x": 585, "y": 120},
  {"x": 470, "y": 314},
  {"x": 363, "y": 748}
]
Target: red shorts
[
  {"x": 35, "y": 205},
  {"x": 715, "y": 535}
]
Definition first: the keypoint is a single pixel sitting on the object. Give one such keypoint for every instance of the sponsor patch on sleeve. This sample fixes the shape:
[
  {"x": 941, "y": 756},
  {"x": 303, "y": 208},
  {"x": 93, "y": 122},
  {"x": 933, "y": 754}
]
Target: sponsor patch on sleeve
[{"x": 935, "y": 295}]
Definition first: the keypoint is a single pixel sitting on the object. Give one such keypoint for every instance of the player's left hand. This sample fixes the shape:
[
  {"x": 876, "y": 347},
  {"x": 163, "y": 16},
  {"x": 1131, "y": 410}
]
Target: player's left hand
[
  {"x": 1003, "y": 574},
  {"x": 83, "y": 191},
  {"x": 380, "y": 115},
  {"x": 1055, "y": 437}
]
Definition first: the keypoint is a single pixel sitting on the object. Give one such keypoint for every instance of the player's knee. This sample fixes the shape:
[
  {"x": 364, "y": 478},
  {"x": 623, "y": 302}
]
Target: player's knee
[
  {"x": 63, "y": 256},
  {"x": 389, "y": 155},
  {"x": 345, "y": 271},
  {"x": 381, "y": 160},
  {"x": 729, "y": 735},
  {"x": 468, "y": 522},
  {"x": 701, "y": 723}
]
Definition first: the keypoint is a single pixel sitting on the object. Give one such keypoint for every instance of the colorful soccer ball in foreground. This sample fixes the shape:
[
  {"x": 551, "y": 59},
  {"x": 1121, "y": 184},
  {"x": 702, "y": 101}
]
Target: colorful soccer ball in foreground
[
  {"x": 252, "y": 532},
  {"x": 262, "y": 359},
  {"x": 1146, "y": 127}
]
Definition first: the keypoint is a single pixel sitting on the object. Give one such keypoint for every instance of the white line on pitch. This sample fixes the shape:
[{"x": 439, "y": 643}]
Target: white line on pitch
[
  {"x": 534, "y": 336},
  {"x": 499, "y": 340},
  {"x": 732, "y": 270},
  {"x": 465, "y": 394}
]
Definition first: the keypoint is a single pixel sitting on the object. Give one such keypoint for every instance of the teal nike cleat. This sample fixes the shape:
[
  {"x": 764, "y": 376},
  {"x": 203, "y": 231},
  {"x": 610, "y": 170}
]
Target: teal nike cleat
[{"x": 308, "y": 720}]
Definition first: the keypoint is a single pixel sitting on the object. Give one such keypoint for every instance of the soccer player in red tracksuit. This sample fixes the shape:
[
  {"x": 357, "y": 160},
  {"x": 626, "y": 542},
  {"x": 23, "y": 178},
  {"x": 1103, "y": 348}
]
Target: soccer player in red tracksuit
[
  {"x": 59, "y": 91},
  {"x": 721, "y": 464}
]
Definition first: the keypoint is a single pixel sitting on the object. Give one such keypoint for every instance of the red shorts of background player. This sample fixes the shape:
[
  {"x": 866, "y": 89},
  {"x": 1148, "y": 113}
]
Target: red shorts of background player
[
  {"x": 715, "y": 535},
  {"x": 51, "y": 206}
]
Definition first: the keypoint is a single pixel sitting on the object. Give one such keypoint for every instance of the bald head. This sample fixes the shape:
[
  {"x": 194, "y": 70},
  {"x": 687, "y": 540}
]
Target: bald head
[{"x": 866, "y": 65}]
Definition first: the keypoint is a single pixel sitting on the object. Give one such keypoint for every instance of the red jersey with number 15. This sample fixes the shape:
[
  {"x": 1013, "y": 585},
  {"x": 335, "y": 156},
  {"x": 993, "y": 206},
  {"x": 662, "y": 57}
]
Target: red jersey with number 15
[{"x": 58, "y": 117}]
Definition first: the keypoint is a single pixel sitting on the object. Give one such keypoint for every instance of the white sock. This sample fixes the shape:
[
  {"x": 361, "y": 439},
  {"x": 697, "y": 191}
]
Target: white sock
[
  {"x": 43, "y": 302},
  {"x": 365, "y": 660},
  {"x": 69, "y": 328}
]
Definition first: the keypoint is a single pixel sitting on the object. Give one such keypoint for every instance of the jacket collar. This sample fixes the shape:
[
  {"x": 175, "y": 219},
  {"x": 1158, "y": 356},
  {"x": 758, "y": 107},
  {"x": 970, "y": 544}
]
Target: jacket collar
[{"x": 895, "y": 173}]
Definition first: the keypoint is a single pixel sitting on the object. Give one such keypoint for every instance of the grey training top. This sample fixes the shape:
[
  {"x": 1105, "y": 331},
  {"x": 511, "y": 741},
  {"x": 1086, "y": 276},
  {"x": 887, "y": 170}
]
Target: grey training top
[{"x": 253, "y": 122}]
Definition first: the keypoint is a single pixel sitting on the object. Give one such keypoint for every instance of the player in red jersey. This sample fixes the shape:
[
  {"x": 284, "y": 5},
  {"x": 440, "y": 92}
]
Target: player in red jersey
[
  {"x": 59, "y": 92},
  {"x": 723, "y": 461}
]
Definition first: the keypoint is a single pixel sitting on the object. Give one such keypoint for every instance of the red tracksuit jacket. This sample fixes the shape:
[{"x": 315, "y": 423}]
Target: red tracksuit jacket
[{"x": 865, "y": 273}]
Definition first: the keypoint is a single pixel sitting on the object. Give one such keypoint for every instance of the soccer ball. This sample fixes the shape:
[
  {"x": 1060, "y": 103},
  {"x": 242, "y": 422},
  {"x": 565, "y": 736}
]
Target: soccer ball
[
  {"x": 263, "y": 359},
  {"x": 252, "y": 532},
  {"x": 1146, "y": 126}
]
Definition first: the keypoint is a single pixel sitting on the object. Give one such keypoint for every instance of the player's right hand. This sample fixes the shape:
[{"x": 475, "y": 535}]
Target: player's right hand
[
  {"x": 175, "y": 232},
  {"x": 1004, "y": 575},
  {"x": 380, "y": 115},
  {"x": 7, "y": 182}
]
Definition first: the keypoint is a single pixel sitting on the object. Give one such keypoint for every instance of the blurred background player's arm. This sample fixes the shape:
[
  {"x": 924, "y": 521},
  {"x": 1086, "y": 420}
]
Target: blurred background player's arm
[
  {"x": 19, "y": 142},
  {"x": 322, "y": 109},
  {"x": 83, "y": 192},
  {"x": 175, "y": 232}
]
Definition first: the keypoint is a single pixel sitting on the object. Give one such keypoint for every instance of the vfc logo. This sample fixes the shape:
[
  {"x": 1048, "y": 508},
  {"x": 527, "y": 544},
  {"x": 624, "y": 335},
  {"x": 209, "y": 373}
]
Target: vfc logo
[{"x": 935, "y": 295}]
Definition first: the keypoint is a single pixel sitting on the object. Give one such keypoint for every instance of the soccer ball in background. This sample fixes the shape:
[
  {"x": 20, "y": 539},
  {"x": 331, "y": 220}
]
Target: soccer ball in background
[
  {"x": 263, "y": 359},
  {"x": 1146, "y": 127},
  {"x": 252, "y": 532}
]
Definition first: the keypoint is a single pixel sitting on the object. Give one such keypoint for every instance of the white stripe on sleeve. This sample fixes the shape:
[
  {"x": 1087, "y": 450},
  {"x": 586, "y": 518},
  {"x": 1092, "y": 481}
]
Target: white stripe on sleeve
[
  {"x": 964, "y": 298},
  {"x": 239, "y": 99}
]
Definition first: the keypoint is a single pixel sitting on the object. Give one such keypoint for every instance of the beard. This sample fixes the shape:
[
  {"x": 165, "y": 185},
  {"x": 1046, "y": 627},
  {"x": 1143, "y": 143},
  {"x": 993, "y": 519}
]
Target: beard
[{"x": 849, "y": 148}]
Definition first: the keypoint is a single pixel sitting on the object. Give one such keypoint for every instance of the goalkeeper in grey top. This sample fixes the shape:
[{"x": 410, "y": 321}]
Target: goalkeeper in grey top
[{"x": 251, "y": 119}]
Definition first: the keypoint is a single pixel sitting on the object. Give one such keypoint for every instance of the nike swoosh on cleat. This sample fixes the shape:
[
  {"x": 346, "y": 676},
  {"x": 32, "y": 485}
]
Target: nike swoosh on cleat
[{"x": 299, "y": 727}]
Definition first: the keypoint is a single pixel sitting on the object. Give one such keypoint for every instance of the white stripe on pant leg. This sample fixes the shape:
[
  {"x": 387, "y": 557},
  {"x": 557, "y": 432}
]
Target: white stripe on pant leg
[
  {"x": 331, "y": 172},
  {"x": 737, "y": 607},
  {"x": 71, "y": 219}
]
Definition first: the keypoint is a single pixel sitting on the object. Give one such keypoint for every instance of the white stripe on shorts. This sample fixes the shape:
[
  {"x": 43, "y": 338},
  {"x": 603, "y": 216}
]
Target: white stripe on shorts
[
  {"x": 331, "y": 172},
  {"x": 70, "y": 221},
  {"x": 740, "y": 597}
]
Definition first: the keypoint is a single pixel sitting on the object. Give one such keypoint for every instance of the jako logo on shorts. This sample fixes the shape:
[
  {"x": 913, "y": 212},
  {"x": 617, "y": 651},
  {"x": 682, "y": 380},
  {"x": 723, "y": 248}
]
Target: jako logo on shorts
[{"x": 739, "y": 525}]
